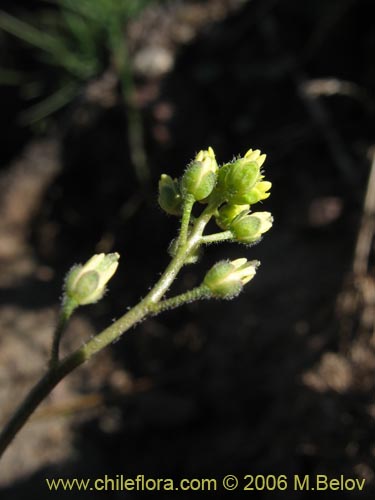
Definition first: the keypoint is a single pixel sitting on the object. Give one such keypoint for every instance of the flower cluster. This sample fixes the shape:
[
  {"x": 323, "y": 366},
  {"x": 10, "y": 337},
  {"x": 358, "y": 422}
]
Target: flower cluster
[
  {"x": 225, "y": 193},
  {"x": 233, "y": 187},
  {"x": 229, "y": 192}
]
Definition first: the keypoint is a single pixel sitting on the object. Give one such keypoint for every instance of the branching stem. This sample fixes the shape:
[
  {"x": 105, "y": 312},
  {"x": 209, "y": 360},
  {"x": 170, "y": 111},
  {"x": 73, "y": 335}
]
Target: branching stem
[
  {"x": 149, "y": 305},
  {"x": 185, "y": 221},
  {"x": 198, "y": 293}
]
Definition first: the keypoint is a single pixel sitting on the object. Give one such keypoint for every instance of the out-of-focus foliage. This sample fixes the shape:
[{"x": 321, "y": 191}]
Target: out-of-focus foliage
[{"x": 74, "y": 41}]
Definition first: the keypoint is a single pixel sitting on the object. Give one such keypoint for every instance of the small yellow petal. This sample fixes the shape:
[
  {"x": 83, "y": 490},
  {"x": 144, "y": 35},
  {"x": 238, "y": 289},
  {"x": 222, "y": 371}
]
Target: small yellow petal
[
  {"x": 252, "y": 155},
  {"x": 261, "y": 159}
]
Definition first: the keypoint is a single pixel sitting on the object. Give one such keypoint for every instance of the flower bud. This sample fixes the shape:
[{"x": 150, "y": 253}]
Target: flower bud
[
  {"x": 228, "y": 212},
  {"x": 256, "y": 156},
  {"x": 200, "y": 177},
  {"x": 236, "y": 180},
  {"x": 169, "y": 195},
  {"x": 249, "y": 228},
  {"x": 259, "y": 192},
  {"x": 225, "y": 280},
  {"x": 85, "y": 284}
]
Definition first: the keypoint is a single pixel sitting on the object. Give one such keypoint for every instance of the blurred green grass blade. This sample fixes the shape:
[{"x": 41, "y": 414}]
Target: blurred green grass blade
[
  {"x": 87, "y": 10},
  {"x": 56, "y": 47},
  {"x": 32, "y": 89},
  {"x": 132, "y": 8},
  {"x": 84, "y": 32},
  {"x": 11, "y": 77},
  {"x": 29, "y": 34},
  {"x": 49, "y": 105},
  {"x": 76, "y": 64}
]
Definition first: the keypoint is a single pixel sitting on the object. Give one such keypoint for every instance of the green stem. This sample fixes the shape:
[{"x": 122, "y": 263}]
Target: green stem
[
  {"x": 64, "y": 367},
  {"x": 200, "y": 292},
  {"x": 67, "y": 308},
  {"x": 185, "y": 221},
  {"x": 214, "y": 238},
  {"x": 183, "y": 252},
  {"x": 147, "y": 306}
]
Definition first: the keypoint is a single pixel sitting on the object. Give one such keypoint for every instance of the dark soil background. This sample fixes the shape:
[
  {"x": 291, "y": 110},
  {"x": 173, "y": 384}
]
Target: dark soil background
[{"x": 278, "y": 381}]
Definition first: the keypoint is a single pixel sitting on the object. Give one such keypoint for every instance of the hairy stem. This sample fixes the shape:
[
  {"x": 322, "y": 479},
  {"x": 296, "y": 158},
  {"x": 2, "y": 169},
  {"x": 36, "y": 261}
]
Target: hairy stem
[
  {"x": 149, "y": 305},
  {"x": 185, "y": 221},
  {"x": 66, "y": 311},
  {"x": 197, "y": 293},
  {"x": 214, "y": 238},
  {"x": 64, "y": 367}
]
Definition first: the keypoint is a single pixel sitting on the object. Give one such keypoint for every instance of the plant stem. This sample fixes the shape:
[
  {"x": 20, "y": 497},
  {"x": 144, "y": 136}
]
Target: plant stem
[
  {"x": 64, "y": 367},
  {"x": 185, "y": 221},
  {"x": 66, "y": 311},
  {"x": 213, "y": 238},
  {"x": 183, "y": 252},
  {"x": 200, "y": 292},
  {"x": 147, "y": 306}
]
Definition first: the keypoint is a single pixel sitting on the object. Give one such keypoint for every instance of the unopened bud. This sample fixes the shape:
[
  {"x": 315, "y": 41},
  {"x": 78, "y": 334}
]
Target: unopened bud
[
  {"x": 256, "y": 156},
  {"x": 259, "y": 192},
  {"x": 200, "y": 177},
  {"x": 169, "y": 195},
  {"x": 237, "y": 180},
  {"x": 226, "y": 279},
  {"x": 249, "y": 228},
  {"x": 85, "y": 284}
]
